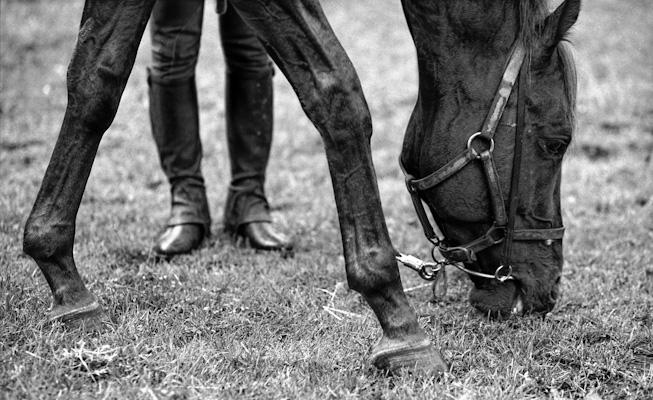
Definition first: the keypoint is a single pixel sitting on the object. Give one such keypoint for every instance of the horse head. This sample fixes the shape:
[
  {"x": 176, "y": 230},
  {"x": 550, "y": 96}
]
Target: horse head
[{"x": 464, "y": 49}]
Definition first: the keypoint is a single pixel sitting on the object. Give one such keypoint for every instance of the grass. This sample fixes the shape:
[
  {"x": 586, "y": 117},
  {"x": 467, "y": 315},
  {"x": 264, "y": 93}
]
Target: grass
[{"x": 228, "y": 322}]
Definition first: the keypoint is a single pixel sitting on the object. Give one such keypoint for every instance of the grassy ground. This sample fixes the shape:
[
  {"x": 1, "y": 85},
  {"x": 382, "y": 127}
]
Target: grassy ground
[{"x": 227, "y": 322}]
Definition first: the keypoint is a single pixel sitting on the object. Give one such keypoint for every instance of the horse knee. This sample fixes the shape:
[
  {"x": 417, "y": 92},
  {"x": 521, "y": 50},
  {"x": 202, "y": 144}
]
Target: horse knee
[
  {"x": 374, "y": 272},
  {"x": 44, "y": 241},
  {"x": 93, "y": 101},
  {"x": 339, "y": 109}
]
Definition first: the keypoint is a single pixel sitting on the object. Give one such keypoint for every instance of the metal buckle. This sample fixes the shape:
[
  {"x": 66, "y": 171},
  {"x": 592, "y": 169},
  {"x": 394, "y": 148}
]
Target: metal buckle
[
  {"x": 490, "y": 234},
  {"x": 471, "y": 139},
  {"x": 429, "y": 271},
  {"x": 457, "y": 254},
  {"x": 409, "y": 185},
  {"x": 426, "y": 270}
]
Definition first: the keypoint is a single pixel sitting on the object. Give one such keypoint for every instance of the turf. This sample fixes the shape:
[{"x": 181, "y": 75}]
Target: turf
[{"x": 229, "y": 322}]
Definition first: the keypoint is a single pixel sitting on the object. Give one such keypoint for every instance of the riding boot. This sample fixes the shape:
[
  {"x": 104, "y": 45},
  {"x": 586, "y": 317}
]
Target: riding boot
[
  {"x": 175, "y": 126},
  {"x": 249, "y": 137}
]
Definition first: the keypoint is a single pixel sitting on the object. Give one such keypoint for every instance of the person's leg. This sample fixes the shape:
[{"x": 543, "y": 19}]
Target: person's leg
[
  {"x": 176, "y": 27},
  {"x": 249, "y": 110}
]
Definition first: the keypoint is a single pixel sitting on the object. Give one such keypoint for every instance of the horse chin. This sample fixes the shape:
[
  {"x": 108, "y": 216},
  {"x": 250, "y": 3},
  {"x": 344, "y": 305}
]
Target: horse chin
[
  {"x": 497, "y": 300},
  {"x": 511, "y": 298}
]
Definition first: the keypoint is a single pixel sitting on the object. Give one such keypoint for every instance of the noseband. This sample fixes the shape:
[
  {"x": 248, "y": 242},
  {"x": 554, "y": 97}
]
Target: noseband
[{"x": 480, "y": 147}]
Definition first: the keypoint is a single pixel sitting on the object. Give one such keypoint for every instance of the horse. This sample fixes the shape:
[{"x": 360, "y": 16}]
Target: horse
[{"x": 462, "y": 48}]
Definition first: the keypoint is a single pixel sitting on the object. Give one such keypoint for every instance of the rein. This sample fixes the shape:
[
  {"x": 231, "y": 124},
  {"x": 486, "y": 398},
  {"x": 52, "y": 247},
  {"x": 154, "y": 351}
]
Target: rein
[{"x": 480, "y": 147}]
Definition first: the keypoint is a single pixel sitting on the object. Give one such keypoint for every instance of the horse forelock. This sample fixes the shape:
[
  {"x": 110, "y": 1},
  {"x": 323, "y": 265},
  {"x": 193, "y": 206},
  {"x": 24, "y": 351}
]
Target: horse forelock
[
  {"x": 566, "y": 58},
  {"x": 531, "y": 14}
]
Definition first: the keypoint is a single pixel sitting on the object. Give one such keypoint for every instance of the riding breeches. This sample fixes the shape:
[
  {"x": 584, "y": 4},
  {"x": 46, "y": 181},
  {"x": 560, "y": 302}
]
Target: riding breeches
[{"x": 176, "y": 29}]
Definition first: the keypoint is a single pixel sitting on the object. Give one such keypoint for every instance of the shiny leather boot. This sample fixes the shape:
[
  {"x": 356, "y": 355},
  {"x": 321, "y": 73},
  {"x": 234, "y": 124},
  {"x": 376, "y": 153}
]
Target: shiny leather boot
[
  {"x": 249, "y": 137},
  {"x": 175, "y": 126}
]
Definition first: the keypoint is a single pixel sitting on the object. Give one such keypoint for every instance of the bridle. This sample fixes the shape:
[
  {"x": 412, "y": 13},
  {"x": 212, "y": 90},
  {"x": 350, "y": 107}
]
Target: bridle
[{"x": 480, "y": 147}]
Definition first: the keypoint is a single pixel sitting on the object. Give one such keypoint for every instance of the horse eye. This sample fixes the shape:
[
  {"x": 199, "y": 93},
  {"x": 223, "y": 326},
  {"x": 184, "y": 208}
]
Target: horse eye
[{"x": 553, "y": 147}]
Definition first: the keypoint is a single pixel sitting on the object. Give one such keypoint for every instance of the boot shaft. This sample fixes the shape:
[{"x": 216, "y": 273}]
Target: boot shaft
[
  {"x": 249, "y": 123},
  {"x": 249, "y": 111},
  {"x": 174, "y": 117}
]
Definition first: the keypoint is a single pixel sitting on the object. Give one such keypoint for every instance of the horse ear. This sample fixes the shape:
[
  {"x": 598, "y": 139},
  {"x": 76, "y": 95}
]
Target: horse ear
[{"x": 560, "y": 21}]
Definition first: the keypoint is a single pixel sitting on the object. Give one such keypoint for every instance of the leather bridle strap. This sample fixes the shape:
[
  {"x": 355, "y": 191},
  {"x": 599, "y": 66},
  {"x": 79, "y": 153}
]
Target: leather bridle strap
[
  {"x": 513, "y": 199},
  {"x": 503, "y": 229},
  {"x": 510, "y": 74},
  {"x": 490, "y": 124},
  {"x": 499, "y": 103},
  {"x": 467, "y": 252}
]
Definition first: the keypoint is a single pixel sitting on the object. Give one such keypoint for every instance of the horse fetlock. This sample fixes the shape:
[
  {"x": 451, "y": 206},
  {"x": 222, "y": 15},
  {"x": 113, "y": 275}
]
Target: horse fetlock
[
  {"x": 73, "y": 293},
  {"x": 372, "y": 271},
  {"x": 375, "y": 276}
]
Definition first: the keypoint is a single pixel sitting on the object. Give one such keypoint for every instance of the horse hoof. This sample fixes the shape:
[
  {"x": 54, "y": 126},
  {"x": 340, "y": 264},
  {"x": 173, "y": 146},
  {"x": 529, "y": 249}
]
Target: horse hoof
[
  {"x": 415, "y": 355},
  {"x": 69, "y": 313}
]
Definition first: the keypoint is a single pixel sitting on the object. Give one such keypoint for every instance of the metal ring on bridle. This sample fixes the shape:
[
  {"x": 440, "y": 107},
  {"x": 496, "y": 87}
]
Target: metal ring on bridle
[
  {"x": 479, "y": 135},
  {"x": 435, "y": 241},
  {"x": 434, "y": 251},
  {"x": 502, "y": 278},
  {"x": 429, "y": 271}
]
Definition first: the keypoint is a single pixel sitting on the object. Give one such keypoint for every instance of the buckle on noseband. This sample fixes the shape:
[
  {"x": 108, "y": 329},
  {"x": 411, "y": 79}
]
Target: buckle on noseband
[
  {"x": 455, "y": 254},
  {"x": 496, "y": 234},
  {"x": 480, "y": 135}
]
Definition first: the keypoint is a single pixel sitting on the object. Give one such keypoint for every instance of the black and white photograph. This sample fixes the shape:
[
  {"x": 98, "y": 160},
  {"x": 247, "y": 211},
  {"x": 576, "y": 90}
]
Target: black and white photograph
[{"x": 326, "y": 199}]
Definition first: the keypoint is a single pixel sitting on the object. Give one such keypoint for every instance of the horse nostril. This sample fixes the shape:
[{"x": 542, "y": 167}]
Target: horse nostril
[{"x": 553, "y": 295}]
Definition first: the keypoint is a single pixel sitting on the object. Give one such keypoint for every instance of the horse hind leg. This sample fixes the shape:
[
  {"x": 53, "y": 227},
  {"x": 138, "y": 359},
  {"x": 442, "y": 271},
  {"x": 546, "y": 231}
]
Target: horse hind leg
[
  {"x": 102, "y": 61},
  {"x": 305, "y": 48}
]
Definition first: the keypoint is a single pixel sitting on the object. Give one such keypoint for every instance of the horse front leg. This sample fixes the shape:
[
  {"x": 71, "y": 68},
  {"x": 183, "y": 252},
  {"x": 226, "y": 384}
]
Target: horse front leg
[
  {"x": 104, "y": 55},
  {"x": 305, "y": 48}
]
